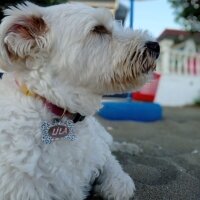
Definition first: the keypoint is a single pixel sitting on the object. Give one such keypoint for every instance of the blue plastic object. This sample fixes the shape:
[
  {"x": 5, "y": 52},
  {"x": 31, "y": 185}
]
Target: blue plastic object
[{"x": 136, "y": 111}]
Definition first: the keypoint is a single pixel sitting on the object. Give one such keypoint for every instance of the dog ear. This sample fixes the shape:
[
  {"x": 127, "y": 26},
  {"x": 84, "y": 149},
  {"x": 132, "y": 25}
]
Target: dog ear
[{"x": 25, "y": 36}]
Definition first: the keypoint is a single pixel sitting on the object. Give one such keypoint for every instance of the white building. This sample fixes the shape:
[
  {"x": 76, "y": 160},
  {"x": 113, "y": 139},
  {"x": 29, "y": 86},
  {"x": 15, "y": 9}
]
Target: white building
[{"x": 179, "y": 64}]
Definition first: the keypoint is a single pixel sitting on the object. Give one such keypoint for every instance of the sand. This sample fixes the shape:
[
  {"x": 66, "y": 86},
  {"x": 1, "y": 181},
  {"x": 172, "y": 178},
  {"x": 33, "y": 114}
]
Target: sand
[{"x": 168, "y": 168}]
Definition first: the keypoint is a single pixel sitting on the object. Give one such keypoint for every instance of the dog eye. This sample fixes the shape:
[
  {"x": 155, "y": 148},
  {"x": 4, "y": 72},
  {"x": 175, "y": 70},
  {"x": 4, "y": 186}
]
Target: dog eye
[{"x": 100, "y": 30}]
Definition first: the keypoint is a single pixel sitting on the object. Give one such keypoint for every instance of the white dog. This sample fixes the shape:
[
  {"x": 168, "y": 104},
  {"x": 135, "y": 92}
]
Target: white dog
[{"x": 60, "y": 60}]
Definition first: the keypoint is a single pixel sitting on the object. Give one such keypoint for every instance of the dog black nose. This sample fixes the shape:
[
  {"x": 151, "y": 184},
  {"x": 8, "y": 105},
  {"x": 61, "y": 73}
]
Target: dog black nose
[{"x": 153, "y": 47}]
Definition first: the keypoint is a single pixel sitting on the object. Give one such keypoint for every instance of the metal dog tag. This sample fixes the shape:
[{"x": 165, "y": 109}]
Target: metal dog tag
[{"x": 57, "y": 129}]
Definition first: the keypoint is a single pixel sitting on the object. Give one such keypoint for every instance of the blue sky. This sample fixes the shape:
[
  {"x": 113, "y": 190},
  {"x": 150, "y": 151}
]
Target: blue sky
[{"x": 153, "y": 15}]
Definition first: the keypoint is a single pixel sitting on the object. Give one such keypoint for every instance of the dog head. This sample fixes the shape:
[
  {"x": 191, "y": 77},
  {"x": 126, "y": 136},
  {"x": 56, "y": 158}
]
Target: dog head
[{"x": 72, "y": 54}]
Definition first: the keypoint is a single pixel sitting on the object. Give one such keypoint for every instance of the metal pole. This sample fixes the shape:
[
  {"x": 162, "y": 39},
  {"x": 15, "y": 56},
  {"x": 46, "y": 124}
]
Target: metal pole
[{"x": 131, "y": 13}]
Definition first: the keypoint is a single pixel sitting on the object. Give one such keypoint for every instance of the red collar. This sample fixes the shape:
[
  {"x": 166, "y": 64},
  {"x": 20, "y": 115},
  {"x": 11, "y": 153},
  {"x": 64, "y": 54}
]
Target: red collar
[{"x": 75, "y": 117}]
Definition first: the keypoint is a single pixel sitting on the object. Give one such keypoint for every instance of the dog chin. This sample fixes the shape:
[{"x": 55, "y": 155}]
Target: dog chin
[{"x": 128, "y": 86}]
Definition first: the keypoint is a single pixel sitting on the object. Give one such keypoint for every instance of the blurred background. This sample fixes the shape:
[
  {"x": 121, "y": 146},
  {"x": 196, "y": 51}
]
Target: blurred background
[{"x": 158, "y": 126}]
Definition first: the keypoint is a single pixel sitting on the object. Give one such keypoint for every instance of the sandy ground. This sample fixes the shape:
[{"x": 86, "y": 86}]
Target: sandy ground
[{"x": 168, "y": 168}]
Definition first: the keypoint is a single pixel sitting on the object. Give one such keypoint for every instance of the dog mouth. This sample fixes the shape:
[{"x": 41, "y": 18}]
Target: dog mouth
[
  {"x": 150, "y": 55},
  {"x": 141, "y": 62},
  {"x": 149, "y": 62}
]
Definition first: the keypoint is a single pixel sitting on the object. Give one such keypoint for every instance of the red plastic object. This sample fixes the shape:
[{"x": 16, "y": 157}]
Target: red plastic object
[{"x": 148, "y": 91}]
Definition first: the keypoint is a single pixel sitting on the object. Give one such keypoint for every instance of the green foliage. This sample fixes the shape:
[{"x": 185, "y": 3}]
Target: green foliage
[
  {"x": 187, "y": 13},
  {"x": 197, "y": 102}
]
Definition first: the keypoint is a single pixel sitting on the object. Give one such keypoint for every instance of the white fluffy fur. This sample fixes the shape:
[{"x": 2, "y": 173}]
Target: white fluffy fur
[{"x": 72, "y": 67}]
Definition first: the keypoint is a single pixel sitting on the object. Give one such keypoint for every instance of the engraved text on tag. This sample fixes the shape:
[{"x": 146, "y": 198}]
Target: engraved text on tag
[{"x": 58, "y": 131}]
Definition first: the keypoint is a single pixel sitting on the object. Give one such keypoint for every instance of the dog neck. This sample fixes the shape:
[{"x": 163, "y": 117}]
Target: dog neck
[{"x": 58, "y": 111}]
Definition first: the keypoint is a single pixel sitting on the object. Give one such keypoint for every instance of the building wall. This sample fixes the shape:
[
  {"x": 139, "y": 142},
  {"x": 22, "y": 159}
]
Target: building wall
[{"x": 176, "y": 90}]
